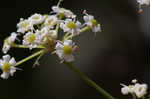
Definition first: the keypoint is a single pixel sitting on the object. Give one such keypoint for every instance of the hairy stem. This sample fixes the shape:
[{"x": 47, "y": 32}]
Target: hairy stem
[{"x": 88, "y": 81}]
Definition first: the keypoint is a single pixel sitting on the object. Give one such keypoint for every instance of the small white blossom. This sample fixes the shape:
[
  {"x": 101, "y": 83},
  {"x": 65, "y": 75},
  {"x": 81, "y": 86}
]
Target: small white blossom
[
  {"x": 36, "y": 19},
  {"x": 144, "y": 2},
  {"x": 92, "y": 23},
  {"x": 70, "y": 26},
  {"x": 24, "y": 26},
  {"x": 7, "y": 66},
  {"x": 46, "y": 32},
  {"x": 140, "y": 90},
  {"x": 6, "y": 47},
  {"x": 65, "y": 50},
  {"x": 63, "y": 12},
  {"x": 50, "y": 21},
  {"x": 132, "y": 88},
  {"x": 53, "y": 34},
  {"x": 32, "y": 39},
  {"x": 9, "y": 42},
  {"x": 125, "y": 90},
  {"x": 134, "y": 81}
]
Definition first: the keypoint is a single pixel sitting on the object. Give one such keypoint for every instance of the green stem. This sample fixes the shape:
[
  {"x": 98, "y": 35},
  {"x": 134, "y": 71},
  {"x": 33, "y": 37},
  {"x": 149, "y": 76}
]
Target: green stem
[
  {"x": 30, "y": 57},
  {"x": 23, "y": 46},
  {"x": 133, "y": 95},
  {"x": 143, "y": 97},
  {"x": 37, "y": 60},
  {"x": 88, "y": 81},
  {"x": 85, "y": 29},
  {"x": 81, "y": 31},
  {"x": 58, "y": 24},
  {"x": 57, "y": 27}
]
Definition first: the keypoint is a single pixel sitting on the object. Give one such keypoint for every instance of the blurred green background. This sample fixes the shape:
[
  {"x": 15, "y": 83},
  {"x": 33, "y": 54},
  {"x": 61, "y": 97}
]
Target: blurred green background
[{"x": 117, "y": 55}]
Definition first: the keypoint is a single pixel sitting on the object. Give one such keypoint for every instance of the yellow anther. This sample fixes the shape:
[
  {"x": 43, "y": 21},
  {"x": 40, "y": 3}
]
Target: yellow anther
[
  {"x": 31, "y": 38},
  {"x": 94, "y": 22},
  {"x": 67, "y": 49},
  {"x": 6, "y": 67},
  {"x": 71, "y": 25}
]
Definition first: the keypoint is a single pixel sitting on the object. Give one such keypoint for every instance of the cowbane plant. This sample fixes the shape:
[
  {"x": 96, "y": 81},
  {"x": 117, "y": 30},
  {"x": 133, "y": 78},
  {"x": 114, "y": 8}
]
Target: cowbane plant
[
  {"x": 40, "y": 33},
  {"x": 136, "y": 89},
  {"x": 54, "y": 34}
]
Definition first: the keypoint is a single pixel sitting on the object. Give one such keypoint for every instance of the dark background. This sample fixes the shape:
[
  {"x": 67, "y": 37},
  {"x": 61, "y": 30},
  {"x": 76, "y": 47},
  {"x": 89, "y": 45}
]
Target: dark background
[{"x": 117, "y": 55}]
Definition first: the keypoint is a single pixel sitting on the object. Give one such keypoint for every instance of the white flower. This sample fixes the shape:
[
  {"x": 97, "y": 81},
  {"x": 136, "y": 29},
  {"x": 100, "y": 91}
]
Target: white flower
[
  {"x": 132, "y": 88},
  {"x": 46, "y": 32},
  {"x": 140, "y": 90},
  {"x": 9, "y": 42},
  {"x": 6, "y": 47},
  {"x": 24, "y": 26},
  {"x": 125, "y": 90},
  {"x": 7, "y": 66},
  {"x": 50, "y": 21},
  {"x": 52, "y": 34},
  {"x": 70, "y": 26},
  {"x": 65, "y": 50},
  {"x": 90, "y": 21},
  {"x": 63, "y": 12},
  {"x": 36, "y": 19},
  {"x": 32, "y": 39},
  {"x": 142, "y": 2}
]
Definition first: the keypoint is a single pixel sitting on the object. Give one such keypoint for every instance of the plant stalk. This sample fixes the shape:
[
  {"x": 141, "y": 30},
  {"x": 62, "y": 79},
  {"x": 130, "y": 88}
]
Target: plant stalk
[
  {"x": 88, "y": 81},
  {"x": 30, "y": 57}
]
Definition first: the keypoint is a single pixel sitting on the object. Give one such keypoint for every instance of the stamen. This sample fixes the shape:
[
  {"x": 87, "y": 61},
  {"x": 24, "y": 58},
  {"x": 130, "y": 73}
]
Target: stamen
[
  {"x": 59, "y": 2},
  {"x": 85, "y": 12}
]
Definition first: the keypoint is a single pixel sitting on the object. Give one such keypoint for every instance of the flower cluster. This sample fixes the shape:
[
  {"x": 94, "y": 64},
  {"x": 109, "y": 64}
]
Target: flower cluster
[
  {"x": 143, "y": 2},
  {"x": 140, "y": 90},
  {"x": 41, "y": 32}
]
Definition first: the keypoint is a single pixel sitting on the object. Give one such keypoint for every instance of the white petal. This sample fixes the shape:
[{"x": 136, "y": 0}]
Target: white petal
[
  {"x": 69, "y": 58},
  {"x": 86, "y": 18},
  {"x": 60, "y": 54},
  {"x": 78, "y": 24},
  {"x": 5, "y": 75},
  {"x": 6, "y": 58},
  {"x": 12, "y": 61},
  {"x": 96, "y": 29},
  {"x": 68, "y": 42},
  {"x": 125, "y": 90},
  {"x": 62, "y": 25},
  {"x": 5, "y": 48},
  {"x": 55, "y": 8},
  {"x": 1, "y": 63},
  {"x": 12, "y": 71},
  {"x": 59, "y": 46}
]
